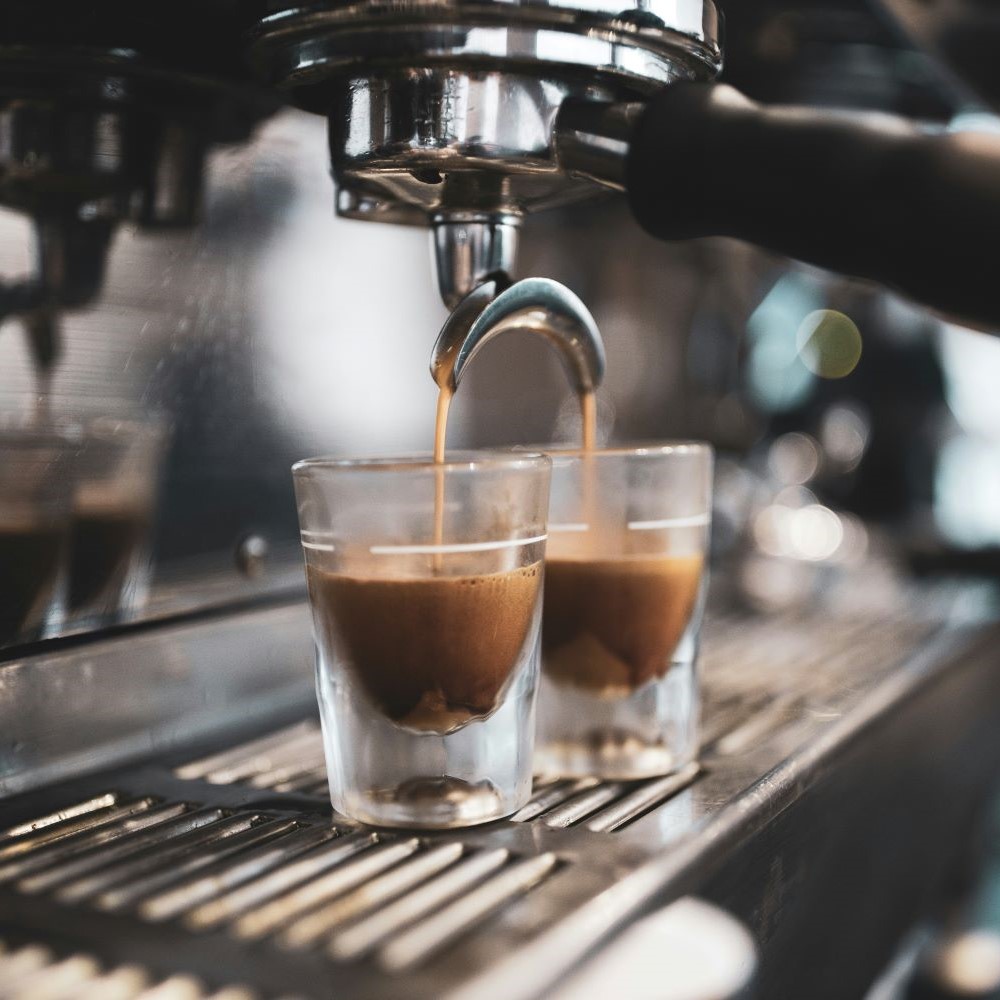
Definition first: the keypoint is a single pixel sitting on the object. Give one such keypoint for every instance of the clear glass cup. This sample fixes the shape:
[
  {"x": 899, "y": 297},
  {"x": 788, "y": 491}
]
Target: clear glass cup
[
  {"x": 113, "y": 511},
  {"x": 37, "y": 467},
  {"x": 425, "y": 585},
  {"x": 625, "y": 582}
]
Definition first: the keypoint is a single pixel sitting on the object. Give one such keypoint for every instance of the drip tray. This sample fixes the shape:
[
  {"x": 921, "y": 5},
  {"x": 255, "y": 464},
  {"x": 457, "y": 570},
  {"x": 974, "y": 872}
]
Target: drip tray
[
  {"x": 222, "y": 868},
  {"x": 32, "y": 970}
]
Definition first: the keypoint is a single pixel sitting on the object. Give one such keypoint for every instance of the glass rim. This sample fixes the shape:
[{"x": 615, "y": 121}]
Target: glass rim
[
  {"x": 636, "y": 449},
  {"x": 455, "y": 461}
]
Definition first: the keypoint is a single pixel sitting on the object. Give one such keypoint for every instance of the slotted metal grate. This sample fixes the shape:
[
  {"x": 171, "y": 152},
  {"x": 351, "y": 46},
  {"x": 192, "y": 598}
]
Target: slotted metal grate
[
  {"x": 228, "y": 866},
  {"x": 34, "y": 972},
  {"x": 296, "y": 883}
]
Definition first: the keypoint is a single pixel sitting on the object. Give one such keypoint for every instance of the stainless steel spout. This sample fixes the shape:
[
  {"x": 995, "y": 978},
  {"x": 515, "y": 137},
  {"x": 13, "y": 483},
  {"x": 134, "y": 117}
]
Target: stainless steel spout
[
  {"x": 535, "y": 305},
  {"x": 469, "y": 248}
]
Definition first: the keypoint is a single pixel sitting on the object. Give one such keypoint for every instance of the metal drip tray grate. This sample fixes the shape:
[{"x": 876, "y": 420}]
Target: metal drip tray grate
[
  {"x": 297, "y": 883},
  {"x": 32, "y": 971},
  {"x": 226, "y": 864}
]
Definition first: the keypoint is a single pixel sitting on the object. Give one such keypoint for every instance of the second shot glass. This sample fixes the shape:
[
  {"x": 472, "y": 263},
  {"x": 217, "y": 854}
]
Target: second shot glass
[
  {"x": 425, "y": 585},
  {"x": 37, "y": 473},
  {"x": 113, "y": 512},
  {"x": 625, "y": 581}
]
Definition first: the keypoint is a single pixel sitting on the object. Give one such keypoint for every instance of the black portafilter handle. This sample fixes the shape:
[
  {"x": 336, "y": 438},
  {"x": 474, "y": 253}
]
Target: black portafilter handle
[{"x": 867, "y": 195}]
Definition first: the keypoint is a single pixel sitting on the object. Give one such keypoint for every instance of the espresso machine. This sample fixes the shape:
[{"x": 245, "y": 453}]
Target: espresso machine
[{"x": 164, "y": 824}]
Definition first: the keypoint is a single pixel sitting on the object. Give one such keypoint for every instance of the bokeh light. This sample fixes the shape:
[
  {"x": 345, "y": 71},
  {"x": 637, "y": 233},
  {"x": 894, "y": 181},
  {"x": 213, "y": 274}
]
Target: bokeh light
[{"x": 829, "y": 343}]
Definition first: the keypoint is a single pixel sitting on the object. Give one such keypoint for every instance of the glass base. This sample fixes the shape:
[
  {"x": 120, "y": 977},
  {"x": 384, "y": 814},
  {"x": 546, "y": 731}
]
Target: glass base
[
  {"x": 613, "y": 755},
  {"x": 647, "y": 733},
  {"x": 384, "y": 774},
  {"x": 432, "y": 803}
]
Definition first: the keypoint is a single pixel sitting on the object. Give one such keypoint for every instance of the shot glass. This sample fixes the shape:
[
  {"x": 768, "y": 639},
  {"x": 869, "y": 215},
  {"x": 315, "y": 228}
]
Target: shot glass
[
  {"x": 113, "y": 510},
  {"x": 37, "y": 467},
  {"x": 425, "y": 585},
  {"x": 625, "y": 582}
]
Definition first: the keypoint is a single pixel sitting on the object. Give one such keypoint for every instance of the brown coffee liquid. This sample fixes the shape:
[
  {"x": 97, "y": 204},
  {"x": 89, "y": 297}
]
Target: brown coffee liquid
[
  {"x": 29, "y": 567},
  {"x": 440, "y": 434},
  {"x": 588, "y": 420},
  {"x": 611, "y": 625},
  {"x": 102, "y": 544},
  {"x": 433, "y": 652}
]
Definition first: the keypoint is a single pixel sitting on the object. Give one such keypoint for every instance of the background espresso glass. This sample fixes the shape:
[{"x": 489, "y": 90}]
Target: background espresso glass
[
  {"x": 625, "y": 580},
  {"x": 425, "y": 584},
  {"x": 37, "y": 467},
  {"x": 113, "y": 509}
]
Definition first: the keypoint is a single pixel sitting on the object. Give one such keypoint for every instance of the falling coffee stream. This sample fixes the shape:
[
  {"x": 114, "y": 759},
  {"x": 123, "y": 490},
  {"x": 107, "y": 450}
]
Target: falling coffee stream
[
  {"x": 588, "y": 418},
  {"x": 440, "y": 433}
]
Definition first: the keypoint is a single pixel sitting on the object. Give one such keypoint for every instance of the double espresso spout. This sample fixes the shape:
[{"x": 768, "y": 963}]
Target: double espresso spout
[{"x": 536, "y": 305}]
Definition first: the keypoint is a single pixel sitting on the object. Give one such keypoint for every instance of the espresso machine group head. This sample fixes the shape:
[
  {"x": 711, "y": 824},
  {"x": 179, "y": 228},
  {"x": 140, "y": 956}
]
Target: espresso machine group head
[
  {"x": 442, "y": 112},
  {"x": 464, "y": 116},
  {"x": 107, "y": 114}
]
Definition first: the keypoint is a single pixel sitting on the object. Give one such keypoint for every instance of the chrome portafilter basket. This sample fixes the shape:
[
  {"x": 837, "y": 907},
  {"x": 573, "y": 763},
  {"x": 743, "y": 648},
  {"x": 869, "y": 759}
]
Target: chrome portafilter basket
[{"x": 442, "y": 112}]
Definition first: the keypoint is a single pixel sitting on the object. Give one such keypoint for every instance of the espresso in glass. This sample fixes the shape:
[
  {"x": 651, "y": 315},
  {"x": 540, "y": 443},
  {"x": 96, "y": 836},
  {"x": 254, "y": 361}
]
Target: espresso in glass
[
  {"x": 37, "y": 475},
  {"x": 433, "y": 652},
  {"x": 425, "y": 586},
  {"x": 113, "y": 507},
  {"x": 612, "y": 624},
  {"x": 624, "y": 588}
]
